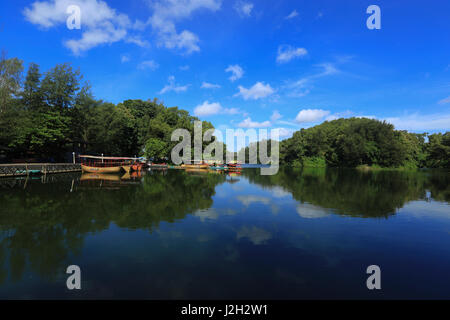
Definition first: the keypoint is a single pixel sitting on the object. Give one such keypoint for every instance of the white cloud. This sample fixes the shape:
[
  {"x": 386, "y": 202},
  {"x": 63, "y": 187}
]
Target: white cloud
[
  {"x": 298, "y": 88},
  {"x": 149, "y": 64},
  {"x": 166, "y": 13},
  {"x": 302, "y": 87},
  {"x": 311, "y": 115},
  {"x": 258, "y": 91},
  {"x": 244, "y": 9},
  {"x": 207, "y": 85},
  {"x": 124, "y": 58},
  {"x": 444, "y": 101},
  {"x": 173, "y": 87},
  {"x": 256, "y": 235},
  {"x": 421, "y": 122},
  {"x": 236, "y": 72},
  {"x": 100, "y": 24},
  {"x": 309, "y": 211},
  {"x": 208, "y": 109},
  {"x": 248, "y": 123},
  {"x": 287, "y": 53},
  {"x": 207, "y": 214},
  {"x": 284, "y": 133},
  {"x": 184, "y": 68},
  {"x": 275, "y": 116},
  {"x": 293, "y": 14},
  {"x": 328, "y": 69},
  {"x": 138, "y": 41}
]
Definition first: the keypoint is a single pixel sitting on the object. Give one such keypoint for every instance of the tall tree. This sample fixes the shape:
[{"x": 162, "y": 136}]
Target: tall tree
[{"x": 10, "y": 80}]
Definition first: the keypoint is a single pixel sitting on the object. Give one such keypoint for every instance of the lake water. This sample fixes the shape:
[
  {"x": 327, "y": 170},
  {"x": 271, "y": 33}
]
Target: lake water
[{"x": 192, "y": 235}]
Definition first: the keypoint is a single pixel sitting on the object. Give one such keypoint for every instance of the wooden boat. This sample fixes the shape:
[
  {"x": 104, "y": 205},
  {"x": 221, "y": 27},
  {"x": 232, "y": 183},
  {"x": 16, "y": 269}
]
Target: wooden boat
[
  {"x": 96, "y": 164},
  {"x": 90, "y": 169},
  {"x": 158, "y": 166},
  {"x": 99, "y": 176},
  {"x": 218, "y": 168},
  {"x": 127, "y": 169},
  {"x": 195, "y": 166},
  {"x": 175, "y": 167}
]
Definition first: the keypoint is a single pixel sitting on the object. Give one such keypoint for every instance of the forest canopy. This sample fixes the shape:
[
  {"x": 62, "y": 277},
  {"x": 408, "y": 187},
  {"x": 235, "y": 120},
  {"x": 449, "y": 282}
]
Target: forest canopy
[
  {"x": 48, "y": 115},
  {"x": 364, "y": 142}
]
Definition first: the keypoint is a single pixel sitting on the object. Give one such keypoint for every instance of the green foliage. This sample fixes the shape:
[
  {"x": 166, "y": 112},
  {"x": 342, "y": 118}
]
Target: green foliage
[
  {"x": 10, "y": 80},
  {"x": 53, "y": 114},
  {"x": 314, "y": 162},
  {"x": 156, "y": 149},
  {"x": 363, "y": 142}
]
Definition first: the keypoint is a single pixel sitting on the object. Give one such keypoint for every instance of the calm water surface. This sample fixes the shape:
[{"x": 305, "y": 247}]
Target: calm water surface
[{"x": 188, "y": 235}]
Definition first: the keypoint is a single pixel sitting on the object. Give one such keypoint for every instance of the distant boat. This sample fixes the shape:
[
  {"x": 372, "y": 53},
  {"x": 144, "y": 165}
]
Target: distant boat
[
  {"x": 97, "y": 164},
  {"x": 195, "y": 166}
]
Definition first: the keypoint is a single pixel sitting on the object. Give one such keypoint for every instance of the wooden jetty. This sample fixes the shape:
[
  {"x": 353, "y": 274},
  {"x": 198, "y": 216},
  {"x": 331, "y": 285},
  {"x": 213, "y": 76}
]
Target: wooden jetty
[{"x": 25, "y": 169}]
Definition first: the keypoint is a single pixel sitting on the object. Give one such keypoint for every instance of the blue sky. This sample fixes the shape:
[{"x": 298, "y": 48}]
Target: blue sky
[{"x": 250, "y": 63}]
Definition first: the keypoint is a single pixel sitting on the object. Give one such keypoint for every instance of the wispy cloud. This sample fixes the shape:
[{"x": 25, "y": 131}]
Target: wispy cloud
[
  {"x": 171, "y": 86},
  {"x": 149, "y": 65},
  {"x": 302, "y": 87},
  {"x": 248, "y": 123},
  {"x": 445, "y": 100},
  {"x": 421, "y": 122},
  {"x": 244, "y": 9},
  {"x": 236, "y": 72},
  {"x": 292, "y": 15},
  {"x": 207, "y": 85},
  {"x": 287, "y": 53},
  {"x": 257, "y": 91},
  {"x": 124, "y": 58},
  {"x": 275, "y": 116},
  {"x": 208, "y": 109}
]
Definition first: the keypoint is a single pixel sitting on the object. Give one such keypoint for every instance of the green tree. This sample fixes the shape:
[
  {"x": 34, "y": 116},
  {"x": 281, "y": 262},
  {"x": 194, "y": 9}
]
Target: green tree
[{"x": 156, "y": 149}]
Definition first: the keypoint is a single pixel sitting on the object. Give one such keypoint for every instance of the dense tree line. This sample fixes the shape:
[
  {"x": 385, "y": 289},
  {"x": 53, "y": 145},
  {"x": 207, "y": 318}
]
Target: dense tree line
[
  {"x": 360, "y": 141},
  {"x": 50, "y": 115}
]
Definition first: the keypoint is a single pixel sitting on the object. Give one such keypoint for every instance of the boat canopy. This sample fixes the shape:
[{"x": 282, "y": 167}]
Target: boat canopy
[{"x": 107, "y": 158}]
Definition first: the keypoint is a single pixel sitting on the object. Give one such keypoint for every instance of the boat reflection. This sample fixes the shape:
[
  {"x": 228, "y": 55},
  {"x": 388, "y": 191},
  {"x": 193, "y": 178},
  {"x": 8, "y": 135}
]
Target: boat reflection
[{"x": 109, "y": 181}]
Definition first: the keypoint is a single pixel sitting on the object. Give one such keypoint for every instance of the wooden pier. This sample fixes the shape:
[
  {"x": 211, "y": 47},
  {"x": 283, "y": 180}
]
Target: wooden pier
[{"x": 25, "y": 169}]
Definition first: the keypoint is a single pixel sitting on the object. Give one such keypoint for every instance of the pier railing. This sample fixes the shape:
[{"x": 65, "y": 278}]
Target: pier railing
[{"x": 25, "y": 169}]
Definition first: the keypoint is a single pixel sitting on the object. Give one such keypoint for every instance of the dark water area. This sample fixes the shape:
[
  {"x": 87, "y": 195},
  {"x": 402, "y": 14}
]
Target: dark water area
[{"x": 299, "y": 234}]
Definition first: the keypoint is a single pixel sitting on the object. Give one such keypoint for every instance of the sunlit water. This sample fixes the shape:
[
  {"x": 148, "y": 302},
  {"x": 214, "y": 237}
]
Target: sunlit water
[{"x": 194, "y": 235}]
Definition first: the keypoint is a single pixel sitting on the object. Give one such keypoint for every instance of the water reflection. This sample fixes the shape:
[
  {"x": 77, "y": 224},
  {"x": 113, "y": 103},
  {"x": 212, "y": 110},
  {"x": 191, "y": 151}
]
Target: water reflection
[
  {"x": 44, "y": 222},
  {"x": 228, "y": 224},
  {"x": 356, "y": 193}
]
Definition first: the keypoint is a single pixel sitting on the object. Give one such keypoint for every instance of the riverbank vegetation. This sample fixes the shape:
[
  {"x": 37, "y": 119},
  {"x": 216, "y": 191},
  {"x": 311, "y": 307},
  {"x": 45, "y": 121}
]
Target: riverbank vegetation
[
  {"x": 362, "y": 142},
  {"x": 49, "y": 115}
]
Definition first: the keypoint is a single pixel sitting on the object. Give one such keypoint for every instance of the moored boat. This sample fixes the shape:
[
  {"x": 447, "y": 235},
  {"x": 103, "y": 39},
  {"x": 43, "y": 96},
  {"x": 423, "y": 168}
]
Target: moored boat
[
  {"x": 91, "y": 169},
  {"x": 195, "y": 166},
  {"x": 97, "y": 164},
  {"x": 99, "y": 176}
]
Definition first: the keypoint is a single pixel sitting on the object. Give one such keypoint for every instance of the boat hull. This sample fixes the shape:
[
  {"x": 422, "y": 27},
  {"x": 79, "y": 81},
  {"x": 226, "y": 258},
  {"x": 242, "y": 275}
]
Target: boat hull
[
  {"x": 195, "y": 166},
  {"x": 99, "y": 176},
  {"x": 90, "y": 169}
]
